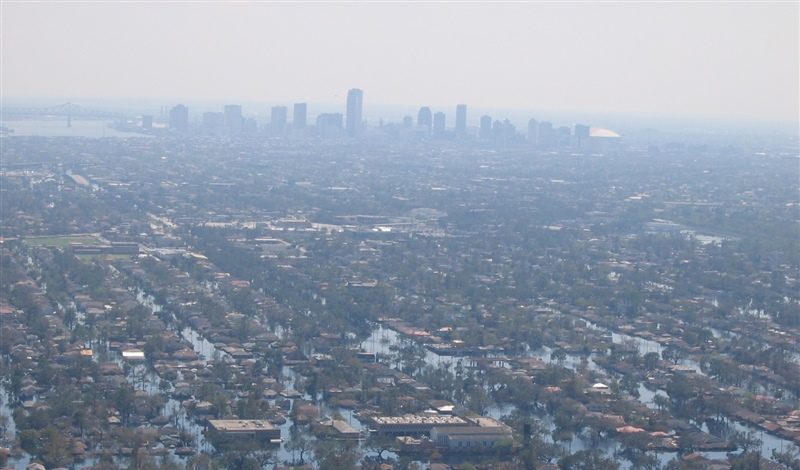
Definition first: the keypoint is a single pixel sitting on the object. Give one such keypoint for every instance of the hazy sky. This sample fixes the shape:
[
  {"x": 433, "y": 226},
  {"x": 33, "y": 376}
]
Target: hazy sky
[{"x": 737, "y": 60}]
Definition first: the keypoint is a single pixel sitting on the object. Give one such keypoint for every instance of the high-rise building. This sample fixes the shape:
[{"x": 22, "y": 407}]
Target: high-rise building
[
  {"x": 147, "y": 122},
  {"x": 408, "y": 122},
  {"x": 533, "y": 131},
  {"x": 505, "y": 133},
  {"x": 277, "y": 120},
  {"x": 563, "y": 136},
  {"x": 546, "y": 137},
  {"x": 485, "y": 130},
  {"x": 497, "y": 131},
  {"x": 355, "y": 107},
  {"x": 233, "y": 118},
  {"x": 461, "y": 120},
  {"x": 424, "y": 119},
  {"x": 439, "y": 125},
  {"x": 300, "y": 115},
  {"x": 179, "y": 118},
  {"x": 581, "y": 136}
]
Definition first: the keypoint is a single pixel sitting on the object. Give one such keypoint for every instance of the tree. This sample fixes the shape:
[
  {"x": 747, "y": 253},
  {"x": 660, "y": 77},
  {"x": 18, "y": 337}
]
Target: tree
[
  {"x": 746, "y": 461},
  {"x": 672, "y": 354},
  {"x": 563, "y": 435},
  {"x": 789, "y": 457},
  {"x": 141, "y": 460},
  {"x": 297, "y": 443},
  {"x": 28, "y": 440},
  {"x": 81, "y": 419},
  {"x": 630, "y": 384},
  {"x": 587, "y": 460},
  {"x": 680, "y": 390},
  {"x": 651, "y": 360},
  {"x": 53, "y": 448},
  {"x": 478, "y": 400},
  {"x": 558, "y": 355},
  {"x": 124, "y": 401},
  {"x": 661, "y": 402},
  {"x": 199, "y": 462},
  {"x": 747, "y": 441},
  {"x": 333, "y": 455},
  {"x": 379, "y": 444}
]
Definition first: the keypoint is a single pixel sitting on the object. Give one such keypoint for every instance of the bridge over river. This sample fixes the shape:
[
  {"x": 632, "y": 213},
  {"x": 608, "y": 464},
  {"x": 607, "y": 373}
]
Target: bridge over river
[{"x": 67, "y": 111}]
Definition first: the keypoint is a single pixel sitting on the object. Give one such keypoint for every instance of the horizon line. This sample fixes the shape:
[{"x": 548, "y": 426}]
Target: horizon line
[{"x": 264, "y": 105}]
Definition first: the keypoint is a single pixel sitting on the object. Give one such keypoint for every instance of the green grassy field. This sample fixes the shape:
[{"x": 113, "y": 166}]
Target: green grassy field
[
  {"x": 106, "y": 257},
  {"x": 62, "y": 241}
]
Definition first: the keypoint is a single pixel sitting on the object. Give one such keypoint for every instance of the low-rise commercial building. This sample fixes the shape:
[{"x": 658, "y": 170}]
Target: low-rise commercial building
[
  {"x": 254, "y": 429},
  {"x": 482, "y": 433},
  {"x": 470, "y": 437},
  {"x": 413, "y": 425}
]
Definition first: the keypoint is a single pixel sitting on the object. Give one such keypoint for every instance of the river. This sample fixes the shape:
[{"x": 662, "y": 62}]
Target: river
[{"x": 58, "y": 128}]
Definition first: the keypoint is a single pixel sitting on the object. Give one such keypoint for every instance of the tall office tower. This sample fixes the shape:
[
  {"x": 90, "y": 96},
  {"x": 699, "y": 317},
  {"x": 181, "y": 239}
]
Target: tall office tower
[
  {"x": 497, "y": 133},
  {"x": 581, "y": 136},
  {"x": 461, "y": 120},
  {"x": 299, "y": 116},
  {"x": 179, "y": 118},
  {"x": 547, "y": 136},
  {"x": 213, "y": 123},
  {"x": 147, "y": 122},
  {"x": 438, "y": 125},
  {"x": 506, "y": 134},
  {"x": 563, "y": 136},
  {"x": 233, "y": 118},
  {"x": 277, "y": 120},
  {"x": 355, "y": 107},
  {"x": 533, "y": 131},
  {"x": 408, "y": 122},
  {"x": 485, "y": 131},
  {"x": 424, "y": 119}
]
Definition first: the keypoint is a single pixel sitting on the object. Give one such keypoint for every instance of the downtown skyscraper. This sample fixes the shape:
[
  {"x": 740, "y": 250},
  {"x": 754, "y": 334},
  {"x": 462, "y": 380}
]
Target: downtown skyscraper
[
  {"x": 439, "y": 125},
  {"x": 300, "y": 115},
  {"x": 461, "y": 120},
  {"x": 425, "y": 119},
  {"x": 179, "y": 118},
  {"x": 355, "y": 105}
]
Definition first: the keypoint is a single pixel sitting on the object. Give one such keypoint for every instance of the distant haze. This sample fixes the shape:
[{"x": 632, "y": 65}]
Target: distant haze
[{"x": 721, "y": 60}]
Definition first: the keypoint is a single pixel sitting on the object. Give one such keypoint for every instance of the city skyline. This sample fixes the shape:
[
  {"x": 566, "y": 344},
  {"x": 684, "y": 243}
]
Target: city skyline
[
  {"x": 737, "y": 61},
  {"x": 251, "y": 115},
  {"x": 497, "y": 131}
]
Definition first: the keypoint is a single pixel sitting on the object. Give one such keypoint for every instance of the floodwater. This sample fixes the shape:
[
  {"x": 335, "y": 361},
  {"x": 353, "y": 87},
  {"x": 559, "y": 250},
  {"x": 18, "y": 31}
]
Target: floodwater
[{"x": 382, "y": 338}]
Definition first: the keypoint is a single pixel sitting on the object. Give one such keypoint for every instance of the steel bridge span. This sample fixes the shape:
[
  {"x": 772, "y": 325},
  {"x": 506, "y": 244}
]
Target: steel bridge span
[{"x": 66, "y": 110}]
